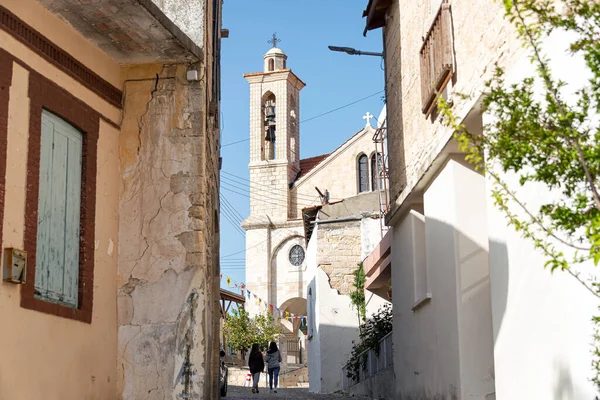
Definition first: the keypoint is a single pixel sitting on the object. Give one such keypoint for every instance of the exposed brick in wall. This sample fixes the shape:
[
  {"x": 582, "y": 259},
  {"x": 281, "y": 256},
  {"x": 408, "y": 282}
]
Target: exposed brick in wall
[
  {"x": 6, "y": 66},
  {"x": 44, "y": 94},
  {"x": 339, "y": 252}
]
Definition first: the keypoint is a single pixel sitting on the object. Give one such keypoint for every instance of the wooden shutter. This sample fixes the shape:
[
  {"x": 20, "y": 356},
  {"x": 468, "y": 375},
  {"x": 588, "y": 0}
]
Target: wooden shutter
[
  {"x": 436, "y": 56},
  {"x": 57, "y": 251}
]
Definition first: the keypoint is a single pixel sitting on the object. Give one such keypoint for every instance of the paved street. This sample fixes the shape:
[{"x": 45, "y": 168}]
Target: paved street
[{"x": 245, "y": 393}]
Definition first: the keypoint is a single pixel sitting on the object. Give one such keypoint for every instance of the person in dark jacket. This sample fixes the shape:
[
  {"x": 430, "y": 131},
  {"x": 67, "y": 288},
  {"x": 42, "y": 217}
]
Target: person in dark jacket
[
  {"x": 273, "y": 363},
  {"x": 256, "y": 365}
]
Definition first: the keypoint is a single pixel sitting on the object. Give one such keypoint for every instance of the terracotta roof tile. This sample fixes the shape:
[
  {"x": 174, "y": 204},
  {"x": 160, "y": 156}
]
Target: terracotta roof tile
[{"x": 307, "y": 164}]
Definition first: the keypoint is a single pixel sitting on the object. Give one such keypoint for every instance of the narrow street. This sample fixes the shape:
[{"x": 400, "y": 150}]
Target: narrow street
[{"x": 245, "y": 393}]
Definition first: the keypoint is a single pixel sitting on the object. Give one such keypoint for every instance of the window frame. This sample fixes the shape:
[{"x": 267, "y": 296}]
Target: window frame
[
  {"x": 290, "y": 255},
  {"x": 44, "y": 94},
  {"x": 376, "y": 164},
  {"x": 6, "y": 71},
  {"x": 358, "y": 172}
]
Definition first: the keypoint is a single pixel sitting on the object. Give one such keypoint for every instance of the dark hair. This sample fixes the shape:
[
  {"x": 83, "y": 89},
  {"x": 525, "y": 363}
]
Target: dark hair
[
  {"x": 255, "y": 349},
  {"x": 273, "y": 347}
]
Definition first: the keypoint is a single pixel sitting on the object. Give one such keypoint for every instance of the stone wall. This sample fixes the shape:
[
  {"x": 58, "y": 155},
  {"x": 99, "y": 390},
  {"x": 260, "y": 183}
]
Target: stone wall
[
  {"x": 415, "y": 140},
  {"x": 339, "y": 173},
  {"x": 339, "y": 252},
  {"x": 269, "y": 193}
]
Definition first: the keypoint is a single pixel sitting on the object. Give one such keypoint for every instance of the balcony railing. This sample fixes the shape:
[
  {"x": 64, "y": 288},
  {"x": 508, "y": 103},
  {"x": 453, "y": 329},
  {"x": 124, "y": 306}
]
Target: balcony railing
[
  {"x": 375, "y": 363},
  {"x": 437, "y": 64}
]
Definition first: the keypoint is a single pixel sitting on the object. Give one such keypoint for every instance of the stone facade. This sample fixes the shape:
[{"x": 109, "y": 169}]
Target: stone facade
[
  {"x": 414, "y": 140},
  {"x": 339, "y": 252},
  {"x": 343, "y": 162}
]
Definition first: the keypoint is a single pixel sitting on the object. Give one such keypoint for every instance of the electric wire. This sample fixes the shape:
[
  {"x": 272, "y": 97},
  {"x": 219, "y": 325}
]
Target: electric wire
[
  {"x": 228, "y": 211},
  {"x": 277, "y": 198},
  {"x": 316, "y": 116},
  {"x": 269, "y": 200},
  {"x": 228, "y": 218},
  {"x": 233, "y": 208},
  {"x": 247, "y": 182}
]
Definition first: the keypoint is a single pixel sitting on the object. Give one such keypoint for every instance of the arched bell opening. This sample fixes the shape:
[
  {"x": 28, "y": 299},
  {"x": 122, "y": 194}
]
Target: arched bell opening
[{"x": 269, "y": 108}]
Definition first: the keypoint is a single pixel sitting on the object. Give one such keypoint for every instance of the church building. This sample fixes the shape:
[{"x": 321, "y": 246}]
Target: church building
[{"x": 282, "y": 185}]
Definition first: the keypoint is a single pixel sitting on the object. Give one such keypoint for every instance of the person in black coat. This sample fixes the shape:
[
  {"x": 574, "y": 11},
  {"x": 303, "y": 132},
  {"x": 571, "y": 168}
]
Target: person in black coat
[{"x": 257, "y": 365}]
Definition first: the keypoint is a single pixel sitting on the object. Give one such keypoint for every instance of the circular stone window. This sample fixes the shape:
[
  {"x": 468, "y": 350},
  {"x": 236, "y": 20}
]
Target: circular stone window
[{"x": 296, "y": 255}]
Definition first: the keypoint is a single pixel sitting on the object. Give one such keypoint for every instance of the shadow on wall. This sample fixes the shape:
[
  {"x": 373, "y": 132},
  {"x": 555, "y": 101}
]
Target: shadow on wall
[
  {"x": 499, "y": 272},
  {"x": 445, "y": 343},
  {"x": 564, "y": 388}
]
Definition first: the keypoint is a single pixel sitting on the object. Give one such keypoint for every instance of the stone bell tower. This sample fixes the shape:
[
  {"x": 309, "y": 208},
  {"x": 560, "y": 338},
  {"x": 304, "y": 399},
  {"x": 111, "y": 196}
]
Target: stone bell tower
[{"x": 274, "y": 137}]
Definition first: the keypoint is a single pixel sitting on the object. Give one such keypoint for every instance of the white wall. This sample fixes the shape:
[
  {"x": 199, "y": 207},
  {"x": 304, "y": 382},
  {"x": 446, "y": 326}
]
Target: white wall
[
  {"x": 542, "y": 320},
  {"x": 313, "y": 345},
  {"x": 444, "y": 346}
]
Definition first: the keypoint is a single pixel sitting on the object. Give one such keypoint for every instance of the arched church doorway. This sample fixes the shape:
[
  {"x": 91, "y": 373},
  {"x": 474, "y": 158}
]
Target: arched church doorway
[{"x": 292, "y": 340}]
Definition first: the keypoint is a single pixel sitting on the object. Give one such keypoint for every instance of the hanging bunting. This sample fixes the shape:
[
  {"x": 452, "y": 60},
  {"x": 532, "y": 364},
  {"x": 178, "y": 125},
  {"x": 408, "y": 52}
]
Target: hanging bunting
[{"x": 228, "y": 282}]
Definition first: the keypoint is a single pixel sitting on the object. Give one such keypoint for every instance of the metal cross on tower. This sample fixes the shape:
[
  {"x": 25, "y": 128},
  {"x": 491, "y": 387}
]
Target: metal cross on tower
[{"x": 274, "y": 40}]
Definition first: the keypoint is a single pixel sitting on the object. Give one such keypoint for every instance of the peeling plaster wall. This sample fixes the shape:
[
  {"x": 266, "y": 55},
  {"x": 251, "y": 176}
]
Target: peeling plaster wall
[{"x": 167, "y": 293}]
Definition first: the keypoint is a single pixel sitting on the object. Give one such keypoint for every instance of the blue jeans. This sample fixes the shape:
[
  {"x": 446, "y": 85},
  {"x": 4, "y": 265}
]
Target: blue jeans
[
  {"x": 255, "y": 379},
  {"x": 273, "y": 375}
]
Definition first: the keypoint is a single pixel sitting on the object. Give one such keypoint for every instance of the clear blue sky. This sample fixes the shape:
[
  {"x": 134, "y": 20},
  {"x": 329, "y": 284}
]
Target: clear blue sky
[{"x": 332, "y": 80}]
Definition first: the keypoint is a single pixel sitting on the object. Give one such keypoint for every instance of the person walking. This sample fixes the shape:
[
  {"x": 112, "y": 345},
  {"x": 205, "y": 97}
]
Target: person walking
[
  {"x": 273, "y": 359},
  {"x": 256, "y": 365}
]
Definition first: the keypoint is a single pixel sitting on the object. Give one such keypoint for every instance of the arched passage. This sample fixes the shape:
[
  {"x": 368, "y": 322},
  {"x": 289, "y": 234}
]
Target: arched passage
[{"x": 292, "y": 341}]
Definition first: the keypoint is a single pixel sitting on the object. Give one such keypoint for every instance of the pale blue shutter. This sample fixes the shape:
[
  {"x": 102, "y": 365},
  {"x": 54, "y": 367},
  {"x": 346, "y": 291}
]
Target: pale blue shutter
[{"x": 57, "y": 252}]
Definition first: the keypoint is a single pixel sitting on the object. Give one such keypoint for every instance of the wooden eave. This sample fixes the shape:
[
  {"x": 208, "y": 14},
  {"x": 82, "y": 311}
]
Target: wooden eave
[
  {"x": 375, "y": 13},
  {"x": 230, "y": 296}
]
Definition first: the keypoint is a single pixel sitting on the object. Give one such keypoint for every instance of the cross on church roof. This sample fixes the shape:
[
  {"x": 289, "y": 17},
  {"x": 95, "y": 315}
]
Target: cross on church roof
[
  {"x": 274, "y": 40},
  {"x": 368, "y": 117}
]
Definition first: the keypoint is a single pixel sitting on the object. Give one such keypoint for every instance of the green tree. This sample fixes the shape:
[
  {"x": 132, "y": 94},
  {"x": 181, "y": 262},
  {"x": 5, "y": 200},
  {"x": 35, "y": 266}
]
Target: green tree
[
  {"x": 242, "y": 332},
  {"x": 541, "y": 135},
  {"x": 266, "y": 330},
  {"x": 238, "y": 330}
]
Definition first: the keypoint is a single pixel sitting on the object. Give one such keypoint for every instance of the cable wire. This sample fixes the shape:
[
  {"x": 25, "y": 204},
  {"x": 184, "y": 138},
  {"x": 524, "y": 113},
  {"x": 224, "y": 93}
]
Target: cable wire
[{"x": 316, "y": 116}]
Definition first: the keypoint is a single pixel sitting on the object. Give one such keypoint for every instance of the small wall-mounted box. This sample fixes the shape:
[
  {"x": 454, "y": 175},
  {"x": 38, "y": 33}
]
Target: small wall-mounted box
[
  {"x": 15, "y": 265},
  {"x": 193, "y": 75}
]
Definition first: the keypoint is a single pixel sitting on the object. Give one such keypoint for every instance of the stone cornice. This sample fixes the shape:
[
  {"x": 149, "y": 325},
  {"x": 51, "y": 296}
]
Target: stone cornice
[{"x": 282, "y": 74}]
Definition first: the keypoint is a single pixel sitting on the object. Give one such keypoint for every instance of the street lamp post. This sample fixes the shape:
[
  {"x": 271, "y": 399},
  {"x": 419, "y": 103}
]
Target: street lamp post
[{"x": 354, "y": 52}]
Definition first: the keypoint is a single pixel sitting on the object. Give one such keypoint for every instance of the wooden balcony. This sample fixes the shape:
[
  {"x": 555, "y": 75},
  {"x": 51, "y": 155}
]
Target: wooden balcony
[{"x": 436, "y": 56}]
